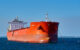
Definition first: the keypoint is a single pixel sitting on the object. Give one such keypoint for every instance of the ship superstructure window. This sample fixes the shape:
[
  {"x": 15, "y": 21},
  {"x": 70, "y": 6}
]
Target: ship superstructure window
[{"x": 16, "y": 24}]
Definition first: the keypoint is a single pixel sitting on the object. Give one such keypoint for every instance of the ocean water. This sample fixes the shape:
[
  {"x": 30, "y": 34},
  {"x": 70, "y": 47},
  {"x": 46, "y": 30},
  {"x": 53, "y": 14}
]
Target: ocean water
[{"x": 62, "y": 44}]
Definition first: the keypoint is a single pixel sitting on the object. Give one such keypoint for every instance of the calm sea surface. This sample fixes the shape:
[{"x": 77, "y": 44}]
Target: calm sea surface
[{"x": 62, "y": 44}]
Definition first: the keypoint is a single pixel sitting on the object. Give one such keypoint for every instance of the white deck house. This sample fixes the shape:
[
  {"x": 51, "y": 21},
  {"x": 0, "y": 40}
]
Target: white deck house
[{"x": 16, "y": 24}]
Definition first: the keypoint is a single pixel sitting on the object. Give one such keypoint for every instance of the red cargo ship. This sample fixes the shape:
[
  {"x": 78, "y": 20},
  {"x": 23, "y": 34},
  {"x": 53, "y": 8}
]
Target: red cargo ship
[{"x": 38, "y": 32}]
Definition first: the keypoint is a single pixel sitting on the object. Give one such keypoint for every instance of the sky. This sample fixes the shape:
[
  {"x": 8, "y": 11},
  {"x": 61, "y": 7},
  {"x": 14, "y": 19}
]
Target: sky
[{"x": 66, "y": 12}]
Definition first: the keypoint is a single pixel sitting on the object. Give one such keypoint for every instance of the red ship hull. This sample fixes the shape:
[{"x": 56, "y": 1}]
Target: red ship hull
[{"x": 38, "y": 32}]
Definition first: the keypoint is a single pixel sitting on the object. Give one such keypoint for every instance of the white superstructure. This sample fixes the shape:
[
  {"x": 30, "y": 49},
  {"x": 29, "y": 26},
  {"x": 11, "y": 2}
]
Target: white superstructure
[{"x": 16, "y": 24}]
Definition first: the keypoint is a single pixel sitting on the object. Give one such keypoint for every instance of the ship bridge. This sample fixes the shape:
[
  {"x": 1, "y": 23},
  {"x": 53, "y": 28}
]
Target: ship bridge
[{"x": 16, "y": 24}]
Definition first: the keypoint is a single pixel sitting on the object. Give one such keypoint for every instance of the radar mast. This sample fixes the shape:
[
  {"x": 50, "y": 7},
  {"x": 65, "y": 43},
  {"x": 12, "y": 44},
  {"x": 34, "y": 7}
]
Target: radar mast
[{"x": 47, "y": 19}]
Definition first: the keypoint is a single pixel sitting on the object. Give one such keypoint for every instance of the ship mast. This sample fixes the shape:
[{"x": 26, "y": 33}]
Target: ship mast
[
  {"x": 16, "y": 17},
  {"x": 47, "y": 19}
]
